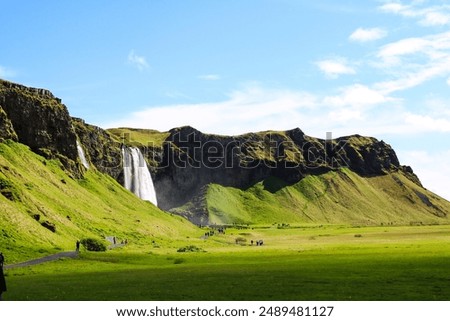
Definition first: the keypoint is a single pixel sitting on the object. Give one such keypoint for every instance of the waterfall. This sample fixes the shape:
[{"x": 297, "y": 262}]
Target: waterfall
[
  {"x": 81, "y": 156},
  {"x": 137, "y": 178}
]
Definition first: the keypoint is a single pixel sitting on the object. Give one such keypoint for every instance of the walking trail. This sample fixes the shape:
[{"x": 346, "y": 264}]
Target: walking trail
[
  {"x": 54, "y": 257},
  {"x": 44, "y": 259}
]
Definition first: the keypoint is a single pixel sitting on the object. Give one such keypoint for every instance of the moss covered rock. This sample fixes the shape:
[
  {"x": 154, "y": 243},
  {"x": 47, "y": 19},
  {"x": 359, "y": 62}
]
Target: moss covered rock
[{"x": 39, "y": 120}]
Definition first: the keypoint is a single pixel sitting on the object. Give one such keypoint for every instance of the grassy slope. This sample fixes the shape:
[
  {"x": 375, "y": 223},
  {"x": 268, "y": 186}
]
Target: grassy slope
[
  {"x": 95, "y": 206},
  {"x": 142, "y": 137},
  {"x": 340, "y": 197}
]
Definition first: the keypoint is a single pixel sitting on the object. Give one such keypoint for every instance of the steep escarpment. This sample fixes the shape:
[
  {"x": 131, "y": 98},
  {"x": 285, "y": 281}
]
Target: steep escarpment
[
  {"x": 101, "y": 149},
  {"x": 192, "y": 160},
  {"x": 283, "y": 176},
  {"x": 260, "y": 177},
  {"x": 34, "y": 117}
]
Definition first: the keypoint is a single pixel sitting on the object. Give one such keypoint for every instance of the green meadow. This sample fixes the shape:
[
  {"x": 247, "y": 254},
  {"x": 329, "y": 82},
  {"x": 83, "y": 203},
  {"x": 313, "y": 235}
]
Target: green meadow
[{"x": 295, "y": 263}]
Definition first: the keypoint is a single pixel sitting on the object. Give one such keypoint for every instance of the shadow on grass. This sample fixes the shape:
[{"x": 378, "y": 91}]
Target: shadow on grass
[{"x": 344, "y": 279}]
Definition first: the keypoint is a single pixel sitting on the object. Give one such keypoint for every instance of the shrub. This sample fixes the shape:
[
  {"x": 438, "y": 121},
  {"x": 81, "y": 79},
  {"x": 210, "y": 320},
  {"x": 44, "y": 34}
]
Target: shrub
[
  {"x": 190, "y": 248},
  {"x": 93, "y": 245},
  {"x": 240, "y": 240},
  {"x": 179, "y": 261},
  {"x": 283, "y": 225}
]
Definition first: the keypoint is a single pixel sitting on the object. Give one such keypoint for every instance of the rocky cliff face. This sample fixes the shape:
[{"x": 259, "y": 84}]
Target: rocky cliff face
[
  {"x": 184, "y": 161},
  {"x": 190, "y": 160},
  {"x": 36, "y": 118},
  {"x": 101, "y": 150},
  {"x": 6, "y": 127}
]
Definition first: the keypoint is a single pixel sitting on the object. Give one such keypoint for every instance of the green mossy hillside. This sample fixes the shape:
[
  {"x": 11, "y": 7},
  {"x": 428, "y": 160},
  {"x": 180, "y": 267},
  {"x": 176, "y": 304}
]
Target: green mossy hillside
[
  {"x": 139, "y": 137},
  {"x": 337, "y": 197},
  {"x": 38, "y": 196}
]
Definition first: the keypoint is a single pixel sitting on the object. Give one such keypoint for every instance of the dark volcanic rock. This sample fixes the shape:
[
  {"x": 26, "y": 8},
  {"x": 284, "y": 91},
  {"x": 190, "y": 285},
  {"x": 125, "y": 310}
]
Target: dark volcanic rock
[
  {"x": 191, "y": 160},
  {"x": 49, "y": 226},
  {"x": 6, "y": 128},
  {"x": 39, "y": 120},
  {"x": 101, "y": 149},
  {"x": 184, "y": 161}
]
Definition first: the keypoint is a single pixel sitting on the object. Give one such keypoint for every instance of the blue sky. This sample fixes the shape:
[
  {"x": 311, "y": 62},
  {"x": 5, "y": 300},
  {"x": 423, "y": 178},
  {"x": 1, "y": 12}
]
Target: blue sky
[{"x": 378, "y": 68}]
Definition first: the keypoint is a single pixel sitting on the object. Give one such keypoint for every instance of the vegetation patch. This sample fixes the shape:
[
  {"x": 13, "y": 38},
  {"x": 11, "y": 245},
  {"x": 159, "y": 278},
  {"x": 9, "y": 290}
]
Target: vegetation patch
[
  {"x": 139, "y": 137},
  {"x": 9, "y": 190},
  {"x": 240, "y": 240},
  {"x": 179, "y": 261},
  {"x": 336, "y": 197},
  {"x": 190, "y": 248},
  {"x": 94, "y": 245}
]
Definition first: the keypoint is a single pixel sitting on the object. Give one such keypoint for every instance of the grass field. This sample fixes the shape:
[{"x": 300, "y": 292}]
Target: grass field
[{"x": 297, "y": 263}]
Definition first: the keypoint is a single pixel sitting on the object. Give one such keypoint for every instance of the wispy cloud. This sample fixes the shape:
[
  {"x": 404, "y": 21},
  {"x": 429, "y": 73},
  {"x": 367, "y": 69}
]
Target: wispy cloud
[
  {"x": 431, "y": 167},
  {"x": 209, "y": 77},
  {"x": 356, "y": 95},
  {"x": 427, "y": 16},
  {"x": 138, "y": 61},
  {"x": 333, "y": 68},
  {"x": 354, "y": 109},
  {"x": 366, "y": 35},
  {"x": 427, "y": 123},
  {"x": 369, "y": 108},
  {"x": 416, "y": 60},
  {"x": 6, "y": 72},
  {"x": 251, "y": 108}
]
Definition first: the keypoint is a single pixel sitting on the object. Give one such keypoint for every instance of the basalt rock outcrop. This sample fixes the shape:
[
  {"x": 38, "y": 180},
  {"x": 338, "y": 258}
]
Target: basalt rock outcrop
[
  {"x": 36, "y": 118},
  {"x": 184, "y": 161},
  {"x": 101, "y": 150},
  {"x": 191, "y": 160}
]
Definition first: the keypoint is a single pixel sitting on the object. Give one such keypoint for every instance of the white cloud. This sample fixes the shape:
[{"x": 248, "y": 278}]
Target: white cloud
[
  {"x": 427, "y": 16},
  {"x": 333, "y": 68},
  {"x": 209, "y": 77},
  {"x": 431, "y": 168},
  {"x": 435, "y": 19},
  {"x": 437, "y": 106},
  {"x": 138, "y": 61},
  {"x": 391, "y": 52},
  {"x": 251, "y": 109},
  {"x": 365, "y": 35},
  {"x": 434, "y": 46},
  {"x": 395, "y": 7},
  {"x": 357, "y": 96},
  {"x": 415, "y": 78},
  {"x": 448, "y": 81},
  {"x": 426, "y": 123},
  {"x": 413, "y": 61},
  {"x": 344, "y": 115}
]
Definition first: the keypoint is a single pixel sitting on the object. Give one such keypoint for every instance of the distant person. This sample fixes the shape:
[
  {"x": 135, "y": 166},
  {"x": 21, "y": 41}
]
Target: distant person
[
  {"x": 78, "y": 246},
  {"x": 2, "y": 276}
]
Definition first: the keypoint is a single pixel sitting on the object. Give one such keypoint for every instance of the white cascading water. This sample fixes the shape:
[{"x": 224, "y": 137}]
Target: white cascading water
[
  {"x": 137, "y": 178},
  {"x": 81, "y": 156}
]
